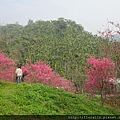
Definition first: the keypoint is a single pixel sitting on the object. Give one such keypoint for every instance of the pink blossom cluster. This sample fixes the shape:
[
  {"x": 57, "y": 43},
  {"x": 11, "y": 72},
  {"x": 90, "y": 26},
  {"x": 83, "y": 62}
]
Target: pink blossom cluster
[
  {"x": 42, "y": 73},
  {"x": 34, "y": 73},
  {"x": 7, "y": 68},
  {"x": 99, "y": 72}
]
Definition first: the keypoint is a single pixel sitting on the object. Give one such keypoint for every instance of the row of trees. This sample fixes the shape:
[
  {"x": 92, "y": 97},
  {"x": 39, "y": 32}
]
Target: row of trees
[
  {"x": 38, "y": 72},
  {"x": 99, "y": 73}
]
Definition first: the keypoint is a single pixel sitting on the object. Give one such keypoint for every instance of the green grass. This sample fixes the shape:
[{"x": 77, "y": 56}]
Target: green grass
[{"x": 38, "y": 99}]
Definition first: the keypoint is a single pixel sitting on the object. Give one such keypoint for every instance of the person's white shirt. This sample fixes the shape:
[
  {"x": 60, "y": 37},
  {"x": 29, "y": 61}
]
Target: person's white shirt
[{"x": 18, "y": 72}]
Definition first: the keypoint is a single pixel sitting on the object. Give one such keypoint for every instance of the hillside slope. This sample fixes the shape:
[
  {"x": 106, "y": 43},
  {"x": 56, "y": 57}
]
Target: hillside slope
[{"x": 37, "y": 99}]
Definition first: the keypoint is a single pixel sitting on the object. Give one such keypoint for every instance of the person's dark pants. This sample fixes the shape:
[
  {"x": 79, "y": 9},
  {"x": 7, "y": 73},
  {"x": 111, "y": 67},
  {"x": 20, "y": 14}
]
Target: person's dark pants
[{"x": 19, "y": 79}]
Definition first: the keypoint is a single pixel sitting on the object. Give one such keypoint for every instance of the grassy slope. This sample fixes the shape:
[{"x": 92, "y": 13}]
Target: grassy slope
[{"x": 37, "y": 99}]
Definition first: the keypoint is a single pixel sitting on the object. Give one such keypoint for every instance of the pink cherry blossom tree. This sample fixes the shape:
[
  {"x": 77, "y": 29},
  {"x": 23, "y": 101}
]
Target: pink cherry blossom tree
[
  {"x": 111, "y": 48},
  {"x": 42, "y": 73},
  {"x": 99, "y": 72},
  {"x": 7, "y": 68}
]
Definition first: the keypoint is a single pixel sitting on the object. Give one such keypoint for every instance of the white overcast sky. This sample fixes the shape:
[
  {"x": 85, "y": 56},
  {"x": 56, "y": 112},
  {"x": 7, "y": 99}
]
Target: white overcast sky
[{"x": 91, "y": 14}]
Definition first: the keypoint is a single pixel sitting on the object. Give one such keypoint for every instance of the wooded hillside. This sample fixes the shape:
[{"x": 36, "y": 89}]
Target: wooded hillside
[{"x": 62, "y": 43}]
